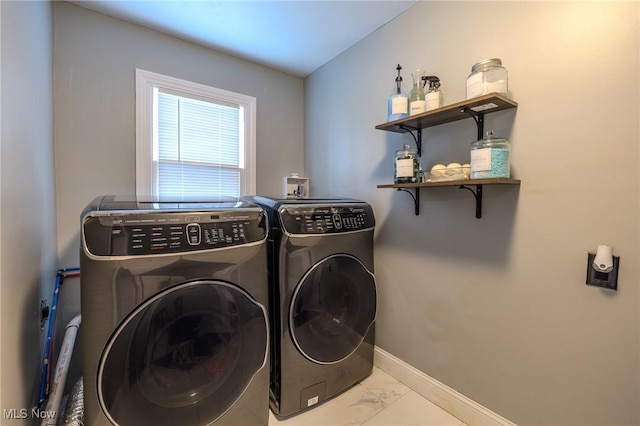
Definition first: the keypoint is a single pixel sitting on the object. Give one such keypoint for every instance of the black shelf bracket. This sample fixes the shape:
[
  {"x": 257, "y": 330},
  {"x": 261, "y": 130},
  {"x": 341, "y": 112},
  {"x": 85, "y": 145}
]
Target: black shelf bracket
[
  {"x": 416, "y": 198},
  {"x": 477, "y": 194},
  {"x": 417, "y": 137},
  {"x": 478, "y": 117}
]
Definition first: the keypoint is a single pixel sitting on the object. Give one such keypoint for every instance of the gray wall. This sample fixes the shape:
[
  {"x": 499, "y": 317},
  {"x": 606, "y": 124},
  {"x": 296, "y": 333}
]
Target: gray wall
[
  {"x": 28, "y": 263},
  {"x": 95, "y": 57},
  {"x": 497, "y": 308}
]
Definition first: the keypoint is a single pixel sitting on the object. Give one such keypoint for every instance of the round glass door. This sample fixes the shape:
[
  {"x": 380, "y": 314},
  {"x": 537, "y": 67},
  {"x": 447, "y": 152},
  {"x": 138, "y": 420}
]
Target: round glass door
[
  {"x": 332, "y": 308},
  {"x": 184, "y": 356}
]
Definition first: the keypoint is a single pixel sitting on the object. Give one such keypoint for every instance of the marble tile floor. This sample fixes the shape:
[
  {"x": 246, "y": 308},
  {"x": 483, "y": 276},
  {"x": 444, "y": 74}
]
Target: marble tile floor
[{"x": 379, "y": 400}]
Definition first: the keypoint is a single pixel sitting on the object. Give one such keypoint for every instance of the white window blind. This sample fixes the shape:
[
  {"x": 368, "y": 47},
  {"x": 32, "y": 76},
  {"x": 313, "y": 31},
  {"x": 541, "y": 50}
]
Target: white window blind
[
  {"x": 200, "y": 140},
  {"x": 198, "y": 147}
]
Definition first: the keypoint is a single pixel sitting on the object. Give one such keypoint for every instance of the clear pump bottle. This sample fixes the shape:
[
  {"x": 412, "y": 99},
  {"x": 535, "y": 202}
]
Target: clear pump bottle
[{"x": 398, "y": 103}]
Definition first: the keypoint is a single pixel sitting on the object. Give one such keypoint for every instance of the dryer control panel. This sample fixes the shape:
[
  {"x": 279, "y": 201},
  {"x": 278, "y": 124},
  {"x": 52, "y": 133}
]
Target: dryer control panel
[
  {"x": 122, "y": 234},
  {"x": 326, "y": 219}
]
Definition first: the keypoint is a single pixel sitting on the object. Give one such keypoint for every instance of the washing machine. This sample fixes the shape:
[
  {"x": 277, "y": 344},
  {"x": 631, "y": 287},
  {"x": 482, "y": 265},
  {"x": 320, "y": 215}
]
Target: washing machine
[
  {"x": 322, "y": 299},
  {"x": 174, "y": 299}
]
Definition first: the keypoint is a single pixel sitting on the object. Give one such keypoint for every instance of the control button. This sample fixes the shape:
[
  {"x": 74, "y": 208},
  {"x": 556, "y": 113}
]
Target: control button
[
  {"x": 337, "y": 221},
  {"x": 193, "y": 234}
]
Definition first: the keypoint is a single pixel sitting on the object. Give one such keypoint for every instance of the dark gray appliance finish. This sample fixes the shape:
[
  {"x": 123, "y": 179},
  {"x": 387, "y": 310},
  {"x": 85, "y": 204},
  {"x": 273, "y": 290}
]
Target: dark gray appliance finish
[
  {"x": 174, "y": 300},
  {"x": 322, "y": 299}
]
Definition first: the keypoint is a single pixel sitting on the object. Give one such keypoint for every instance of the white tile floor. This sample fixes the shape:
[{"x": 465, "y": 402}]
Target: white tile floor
[{"x": 379, "y": 400}]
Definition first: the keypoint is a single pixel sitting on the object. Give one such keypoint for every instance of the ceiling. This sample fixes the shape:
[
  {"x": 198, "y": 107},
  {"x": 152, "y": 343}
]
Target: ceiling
[{"x": 295, "y": 36}]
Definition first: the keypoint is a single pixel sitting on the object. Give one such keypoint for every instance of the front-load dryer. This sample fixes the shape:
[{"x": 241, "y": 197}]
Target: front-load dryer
[
  {"x": 322, "y": 299},
  {"x": 174, "y": 311}
]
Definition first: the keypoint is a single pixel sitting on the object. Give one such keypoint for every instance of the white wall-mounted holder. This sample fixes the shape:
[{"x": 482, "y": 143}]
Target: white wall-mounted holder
[
  {"x": 295, "y": 186},
  {"x": 602, "y": 268}
]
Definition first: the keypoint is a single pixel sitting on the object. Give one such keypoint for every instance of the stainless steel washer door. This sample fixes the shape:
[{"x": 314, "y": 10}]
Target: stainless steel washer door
[
  {"x": 184, "y": 356},
  {"x": 332, "y": 308}
]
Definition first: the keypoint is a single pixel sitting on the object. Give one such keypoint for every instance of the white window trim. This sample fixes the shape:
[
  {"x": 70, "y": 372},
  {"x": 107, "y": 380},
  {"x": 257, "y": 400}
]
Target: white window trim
[{"x": 145, "y": 83}]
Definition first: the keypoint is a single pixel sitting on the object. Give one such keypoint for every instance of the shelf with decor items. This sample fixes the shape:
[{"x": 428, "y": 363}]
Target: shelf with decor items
[{"x": 476, "y": 109}]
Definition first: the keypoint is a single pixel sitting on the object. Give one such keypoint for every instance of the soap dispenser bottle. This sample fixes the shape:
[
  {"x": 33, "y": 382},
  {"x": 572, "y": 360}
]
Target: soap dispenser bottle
[{"x": 398, "y": 103}]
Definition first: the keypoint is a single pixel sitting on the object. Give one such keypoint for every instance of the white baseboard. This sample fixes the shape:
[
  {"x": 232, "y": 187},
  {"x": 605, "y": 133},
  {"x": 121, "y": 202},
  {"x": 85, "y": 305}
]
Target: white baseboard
[{"x": 440, "y": 394}]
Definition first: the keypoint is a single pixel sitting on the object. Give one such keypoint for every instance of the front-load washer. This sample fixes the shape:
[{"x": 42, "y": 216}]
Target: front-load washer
[
  {"x": 174, "y": 303},
  {"x": 322, "y": 299}
]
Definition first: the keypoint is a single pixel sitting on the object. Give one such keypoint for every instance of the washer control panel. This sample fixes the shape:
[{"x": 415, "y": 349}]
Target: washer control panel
[
  {"x": 133, "y": 234},
  {"x": 321, "y": 219}
]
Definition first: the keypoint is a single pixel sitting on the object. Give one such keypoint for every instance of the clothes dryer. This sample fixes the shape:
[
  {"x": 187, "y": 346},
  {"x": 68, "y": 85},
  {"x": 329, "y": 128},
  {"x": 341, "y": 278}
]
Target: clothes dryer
[
  {"x": 322, "y": 299},
  {"x": 174, "y": 313}
]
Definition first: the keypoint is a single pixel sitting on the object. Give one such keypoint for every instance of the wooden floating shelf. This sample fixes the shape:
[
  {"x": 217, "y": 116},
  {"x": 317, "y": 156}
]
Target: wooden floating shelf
[
  {"x": 462, "y": 184},
  {"x": 492, "y": 102},
  {"x": 494, "y": 181}
]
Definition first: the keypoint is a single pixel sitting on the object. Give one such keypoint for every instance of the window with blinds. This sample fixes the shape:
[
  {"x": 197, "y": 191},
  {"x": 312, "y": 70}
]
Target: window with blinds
[{"x": 199, "y": 140}]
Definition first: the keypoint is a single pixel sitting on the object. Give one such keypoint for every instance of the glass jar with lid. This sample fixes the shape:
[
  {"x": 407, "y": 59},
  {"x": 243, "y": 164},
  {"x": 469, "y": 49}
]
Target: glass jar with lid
[
  {"x": 487, "y": 76},
  {"x": 490, "y": 158},
  {"x": 406, "y": 165}
]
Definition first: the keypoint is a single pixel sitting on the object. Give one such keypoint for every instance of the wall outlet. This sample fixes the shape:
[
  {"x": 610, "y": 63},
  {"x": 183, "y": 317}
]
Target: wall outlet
[{"x": 607, "y": 280}]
